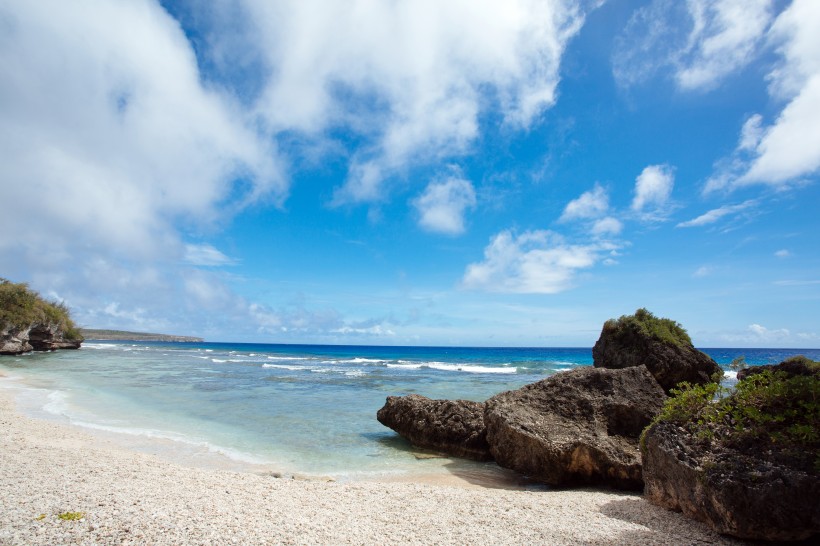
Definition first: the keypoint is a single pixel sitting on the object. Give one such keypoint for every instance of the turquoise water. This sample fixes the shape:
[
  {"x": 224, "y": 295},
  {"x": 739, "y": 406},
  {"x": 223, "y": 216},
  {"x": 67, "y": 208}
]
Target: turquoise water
[{"x": 296, "y": 409}]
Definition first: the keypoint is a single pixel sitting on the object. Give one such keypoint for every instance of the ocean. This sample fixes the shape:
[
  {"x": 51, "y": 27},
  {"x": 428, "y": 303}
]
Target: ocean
[{"x": 293, "y": 409}]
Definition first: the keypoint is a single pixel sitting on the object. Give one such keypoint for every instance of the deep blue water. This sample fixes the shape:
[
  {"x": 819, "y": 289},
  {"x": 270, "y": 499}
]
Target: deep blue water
[{"x": 295, "y": 408}]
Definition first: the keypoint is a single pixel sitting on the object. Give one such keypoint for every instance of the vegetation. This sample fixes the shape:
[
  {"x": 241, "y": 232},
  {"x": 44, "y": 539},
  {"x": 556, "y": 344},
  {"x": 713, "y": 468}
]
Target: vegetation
[
  {"x": 738, "y": 363},
  {"x": 20, "y": 307},
  {"x": 645, "y": 323},
  {"x": 71, "y": 516},
  {"x": 773, "y": 414},
  {"x": 121, "y": 335},
  {"x": 812, "y": 365}
]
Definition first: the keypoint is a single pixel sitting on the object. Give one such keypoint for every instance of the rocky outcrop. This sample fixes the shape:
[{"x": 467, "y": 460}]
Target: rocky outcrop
[
  {"x": 35, "y": 337},
  {"x": 736, "y": 493},
  {"x": 576, "y": 427},
  {"x": 671, "y": 359},
  {"x": 454, "y": 427},
  {"x": 798, "y": 365}
]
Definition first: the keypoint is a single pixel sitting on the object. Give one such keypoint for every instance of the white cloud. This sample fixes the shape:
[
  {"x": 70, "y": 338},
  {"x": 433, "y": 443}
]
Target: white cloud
[
  {"x": 763, "y": 333},
  {"x": 712, "y": 216},
  {"x": 607, "y": 226},
  {"x": 723, "y": 40},
  {"x": 442, "y": 206},
  {"x": 652, "y": 190},
  {"x": 789, "y": 148},
  {"x": 206, "y": 255},
  {"x": 591, "y": 204},
  {"x": 534, "y": 262},
  {"x": 409, "y": 78},
  {"x": 107, "y": 127},
  {"x": 701, "y": 41},
  {"x": 751, "y": 133},
  {"x": 783, "y": 253}
]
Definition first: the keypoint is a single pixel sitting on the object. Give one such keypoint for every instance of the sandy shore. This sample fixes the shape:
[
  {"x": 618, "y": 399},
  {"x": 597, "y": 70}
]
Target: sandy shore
[{"x": 50, "y": 469}]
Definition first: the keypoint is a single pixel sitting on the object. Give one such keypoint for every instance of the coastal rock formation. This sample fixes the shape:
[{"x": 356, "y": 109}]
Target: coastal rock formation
[
  {"x": 661, "y": 345},
  {"x": 576, "y": 427},
  {"x": 28, "y": 322},
  {"x": 736, "y": 493},
  {"x": 454, "y": 427},
  {"x": 35, "y": 337},
  {"x": 797, "y": 365}
]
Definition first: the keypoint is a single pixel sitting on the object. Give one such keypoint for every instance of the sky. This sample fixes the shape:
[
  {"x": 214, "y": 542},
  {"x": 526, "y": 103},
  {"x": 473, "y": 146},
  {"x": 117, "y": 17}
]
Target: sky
[{"x": 425, "y": 172}]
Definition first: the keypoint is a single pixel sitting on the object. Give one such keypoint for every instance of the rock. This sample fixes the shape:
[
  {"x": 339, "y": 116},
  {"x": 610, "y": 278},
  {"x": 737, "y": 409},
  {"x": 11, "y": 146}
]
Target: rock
[
  {"x": 45, "y": 336},
  {"x": 454, "y": 427},
  {"x": 796, "y": 365},
  {"x": 576, "y": 427},
  {"x": 28, "y": 322},
  {"x": 670, "y": 357},
  {"x": 735, "y": 493}
]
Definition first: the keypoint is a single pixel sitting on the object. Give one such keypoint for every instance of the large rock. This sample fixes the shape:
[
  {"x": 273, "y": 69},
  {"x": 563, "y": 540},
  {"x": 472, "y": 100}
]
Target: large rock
[
  {"x": 796, "y": 365},
  {"x": 576, "y": 427},
  {"x": 454, "y": 427},
  {"x": 45, "y": 336},
  {"x": 734, "y": 492},
  {"x": 670, "y": 359}
]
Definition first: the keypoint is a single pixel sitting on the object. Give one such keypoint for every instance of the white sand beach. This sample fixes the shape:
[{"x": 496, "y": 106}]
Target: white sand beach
[{"x": 125, "y": 497}]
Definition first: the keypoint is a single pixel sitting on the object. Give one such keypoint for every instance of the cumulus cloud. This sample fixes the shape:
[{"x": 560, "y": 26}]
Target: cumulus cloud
[
  {"x": 107, "y": 127},
  {"x": 700, "y": 41},
  {"x": 442, "y": 206},
  {"x": 712, "y": 216},
  {"x": 410, "y": 78},
  {"x": 652, "y": 190},
  {"x": 533, "y": 262},
  {"x": 591, "y": 204}
]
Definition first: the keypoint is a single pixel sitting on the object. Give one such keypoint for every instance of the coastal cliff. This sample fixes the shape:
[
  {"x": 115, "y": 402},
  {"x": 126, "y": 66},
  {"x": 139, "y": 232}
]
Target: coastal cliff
[{"x": 30, "y": 323}]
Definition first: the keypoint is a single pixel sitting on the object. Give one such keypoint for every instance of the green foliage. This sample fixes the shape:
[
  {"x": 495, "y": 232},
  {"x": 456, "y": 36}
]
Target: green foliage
[
  {"x": 20, "y": 307},
  {"x": 643, "y": 322},
  {"x": 770, "y": 413},
  {"x": 738, "y": 363},
  {"x": 800, "y": 359},
  {"x": 71, "y": 516}
]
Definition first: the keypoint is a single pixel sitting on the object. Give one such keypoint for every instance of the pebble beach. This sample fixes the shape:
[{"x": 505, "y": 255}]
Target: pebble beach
[{"x": 122, "y": 497}]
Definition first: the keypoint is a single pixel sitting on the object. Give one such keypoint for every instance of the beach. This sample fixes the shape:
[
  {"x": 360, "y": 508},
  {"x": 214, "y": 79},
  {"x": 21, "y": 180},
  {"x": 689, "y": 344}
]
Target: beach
[{"x": 126, "y": 497}]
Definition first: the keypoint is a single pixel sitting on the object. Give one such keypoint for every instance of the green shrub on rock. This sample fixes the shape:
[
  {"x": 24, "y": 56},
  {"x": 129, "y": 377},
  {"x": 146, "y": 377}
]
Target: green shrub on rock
[
  {"x": 772, "y": 414},
  {"x": 20, "y": 307},
  {"x": 644, "y": 323}
]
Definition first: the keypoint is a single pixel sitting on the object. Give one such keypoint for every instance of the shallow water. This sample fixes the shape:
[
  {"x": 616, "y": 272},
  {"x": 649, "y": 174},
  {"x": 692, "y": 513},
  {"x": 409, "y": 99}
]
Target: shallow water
[{"x": 291, "y": 409}]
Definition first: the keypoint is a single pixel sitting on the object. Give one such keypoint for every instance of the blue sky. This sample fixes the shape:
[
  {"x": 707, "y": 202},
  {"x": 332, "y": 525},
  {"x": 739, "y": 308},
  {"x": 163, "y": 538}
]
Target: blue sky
[{"x": 420, "y": 172}]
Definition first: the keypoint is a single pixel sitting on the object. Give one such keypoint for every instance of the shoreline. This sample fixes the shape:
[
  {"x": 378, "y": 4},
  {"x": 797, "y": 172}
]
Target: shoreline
[{"x": 130, "y": 497}]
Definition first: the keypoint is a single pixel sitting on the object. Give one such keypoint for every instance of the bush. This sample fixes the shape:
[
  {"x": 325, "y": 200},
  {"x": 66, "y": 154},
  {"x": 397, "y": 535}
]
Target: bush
[
  {"x": 644, "y": 323},
  {"x": 21, "y": 307},
  {"x": 772, "y": 414}
]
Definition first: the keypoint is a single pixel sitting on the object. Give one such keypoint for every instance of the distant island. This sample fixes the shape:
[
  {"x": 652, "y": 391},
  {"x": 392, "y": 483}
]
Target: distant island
[{"x": 121, "y": 335}]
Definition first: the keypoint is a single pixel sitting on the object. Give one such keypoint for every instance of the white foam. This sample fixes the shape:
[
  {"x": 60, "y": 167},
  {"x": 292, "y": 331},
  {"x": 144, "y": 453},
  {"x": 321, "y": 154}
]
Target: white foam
[
  {"x": 155, "y": 434},
  {"x": 283, "y": 367},
  {"x": 731, "y": 374},
  {"x": 98, "y": 345},
  {"x": 406, "y": 366},
  {"x": 56, "y": 404},
  {"x": 359, "y": 360},
  {"x": 469, "y": 368},
  {"x": 218, "y": 361}
]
